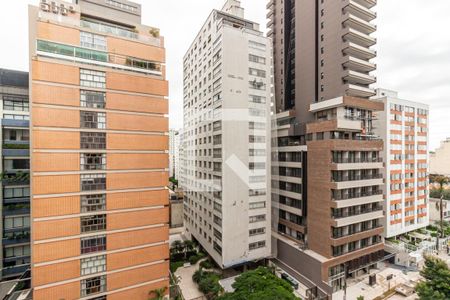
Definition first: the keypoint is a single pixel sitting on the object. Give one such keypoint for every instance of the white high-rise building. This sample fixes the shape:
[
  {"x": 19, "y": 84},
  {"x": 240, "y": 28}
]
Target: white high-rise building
[
  {"x": 226, "y": 138},
  {"x": 174, "y": 153},
  {"x": 403, "y": 126}
]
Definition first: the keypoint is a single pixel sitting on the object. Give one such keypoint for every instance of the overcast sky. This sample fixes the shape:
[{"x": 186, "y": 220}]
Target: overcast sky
[{"x": 413, "y": 47}]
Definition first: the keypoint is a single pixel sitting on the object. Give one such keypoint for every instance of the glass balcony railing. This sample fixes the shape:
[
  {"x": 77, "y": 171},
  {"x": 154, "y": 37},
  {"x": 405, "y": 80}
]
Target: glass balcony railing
[
  {"x": 71, "y": 51},
  {"x": 118, "y": 31},
  {"x": 107, "y": 28},
  {"x": 98, "y": 56}
]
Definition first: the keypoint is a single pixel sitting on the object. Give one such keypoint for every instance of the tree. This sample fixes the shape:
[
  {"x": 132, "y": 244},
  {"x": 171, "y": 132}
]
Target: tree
[
  {"x": 437, "y": 280},
  {"x": 442, "y": 181},
  {"x": 178, "y": 246},
  {"x": 157, "y": 294},
  {"x": 260, "y": 284}
]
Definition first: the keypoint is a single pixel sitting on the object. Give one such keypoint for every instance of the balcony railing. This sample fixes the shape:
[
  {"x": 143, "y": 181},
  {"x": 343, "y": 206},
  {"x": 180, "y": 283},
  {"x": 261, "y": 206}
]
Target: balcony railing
[
  {"x": 357, "y": 195},
  {"x": 352, "y": 160},
  {"x": 356, "y": 212},
  {"x": 119, "y": 31},
  {"x": 99, "y": 56},
  {"x": 356, "y": 178},
  {"x": 341, "y": 235}
]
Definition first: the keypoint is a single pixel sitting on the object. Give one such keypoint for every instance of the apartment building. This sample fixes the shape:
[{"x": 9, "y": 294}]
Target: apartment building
[
  {"x": 174, "y": 153},
  {"x": 226, "y": 162},
  {"x": 327, "y": 195},
  {"x": 99, "y": 152},
  {"x": 15, "y": 165},
  {"x": 403, "y": 126},
  {"x": 440, "y": 159}
]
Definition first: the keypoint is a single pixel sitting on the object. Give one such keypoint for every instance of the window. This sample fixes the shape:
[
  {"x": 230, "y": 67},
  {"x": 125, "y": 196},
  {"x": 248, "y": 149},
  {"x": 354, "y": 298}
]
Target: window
[
  {"x": 20, "y": 192},
  {"x": 93, "y": 244},
  {"x": 91, "y": 203},
  {"x": 93, "y": 182},
  {"x": 70, "y": 51},
  {"x": 16, "y": 164},
  {"x": 17, "y": 222},
  {"x": 259, "y": 218},
  {"x": 257, "y": 245},
  {"x": 256, "y": 166},
  {"x": 257, "y": 152},
  {"x": 15, "y": 103},
  {"x": 94, "y": 41},
  {"x": 256, "y": 72},
  {"x": 93, "y": 265},
  {"x": 93, "y": 99},
  {"x": 258, "y": 231},
  {"x": 257, "y": 192},
  {"x": 256, "y": 45},
  {"x": 93, "y": 223},
  {"x": 93, "y": 161},
  {"x": 93, "y": 79},
  {"x": 257, "y": 205},
  {"x": 256, "y": 59},
  {"x": 17, "y": 251},
  {"x": 93, "y": 140},
  {"x": 16, "y": 117},
  {"x": 257, "y": 99},
  {"x": 90, "y": 119},
  {"x": 93, "y": 285}
]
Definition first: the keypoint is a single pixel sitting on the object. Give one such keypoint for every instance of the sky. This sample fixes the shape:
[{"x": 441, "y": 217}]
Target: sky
[{"x": 413, "y": 47}]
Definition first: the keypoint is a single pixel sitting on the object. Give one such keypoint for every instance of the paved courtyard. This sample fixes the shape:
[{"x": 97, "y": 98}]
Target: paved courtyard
[{"x": 188, "y": 287}]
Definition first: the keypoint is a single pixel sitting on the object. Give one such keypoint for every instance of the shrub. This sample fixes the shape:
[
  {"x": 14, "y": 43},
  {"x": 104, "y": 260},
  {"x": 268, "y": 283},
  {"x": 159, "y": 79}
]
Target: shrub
[
  {"x": 175, "y": 265},
  {"x": 194, "y": 259},
  {"x": 206, "y": 264}
]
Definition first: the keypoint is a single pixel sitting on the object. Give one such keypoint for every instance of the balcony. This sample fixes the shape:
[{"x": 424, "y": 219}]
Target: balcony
[
  {"x": 359, "y": 65},
  {"x": 358, "y": 51},
  {"x": 367, "y": 3},
  {"x": 357, "y": 164},
  {"x": 16, "y": 239},
  {"x": 359, "y": 199},
  {"x": 16, "y": 152},
  {"x": 15, "y": 123},
  {"x": 270, "y": 4},
  {"x": 378, "y": 214},
  {"x": 16, "y": 178},
  {"x": 83, "y": 55},
  {"x": 355, "y": 77},
  {"x": 360, "y": 25},
  {"x": 14, "y": 271},
  {"x": 17, "y": 210},
  {"x": 360, "y": 11},
  {"x": 119, "y": 31},
  {"x": 347, "y": 214},
  {"x": 359, "y": 38},
  {"x": 357, "y": 181},
  {"x": 359, "y": 91}
]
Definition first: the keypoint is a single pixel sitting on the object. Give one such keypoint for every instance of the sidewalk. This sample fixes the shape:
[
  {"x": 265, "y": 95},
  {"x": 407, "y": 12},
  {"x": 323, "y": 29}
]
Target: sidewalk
[{"x": 187, "y": 286}]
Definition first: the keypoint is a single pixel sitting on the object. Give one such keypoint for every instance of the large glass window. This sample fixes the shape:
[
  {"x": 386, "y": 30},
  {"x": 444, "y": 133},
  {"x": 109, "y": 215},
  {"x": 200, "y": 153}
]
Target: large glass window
[
  {"x": 16, "y": 117},
  {"x": 93, "y": 244},
  {"x": 93, "y": 182},
  {"x": 18, "y": 192},
  {"x": 93, "y": 140},
  {"x": 93, "y": 223},
  {"x": 91, "y": 203},
  {"x": 92, "y": 119},
  {"x": 17, "y": 251},
  {"x": 92, "y": 99},
  {"x": 92, "y": 79},
  {"x": 93, "y": 265},
  {"x": 66, "y": 50},
  {"x": 93, "y": 161},
  {"x": 16, "y": 103},
  {"x": 94, "y": 41},
  {"x": 16, "y": 222},
  {"x": 93, "y": 285}
]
